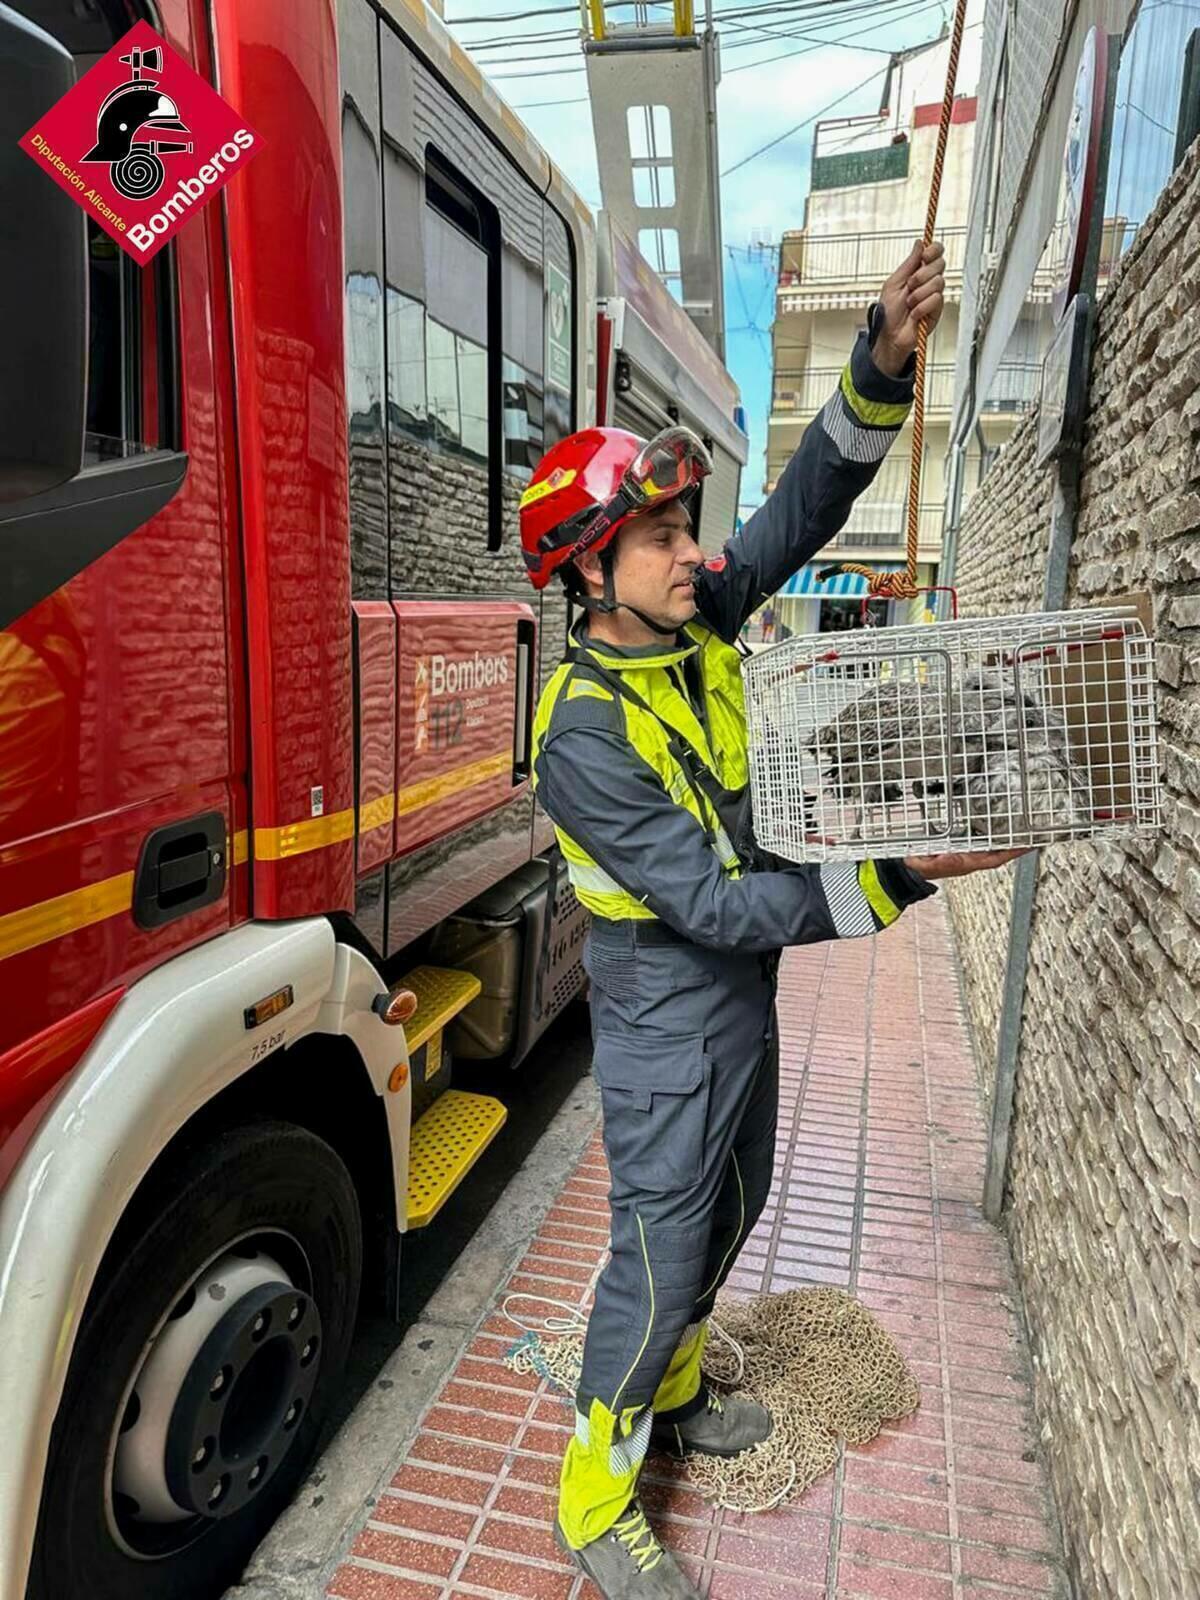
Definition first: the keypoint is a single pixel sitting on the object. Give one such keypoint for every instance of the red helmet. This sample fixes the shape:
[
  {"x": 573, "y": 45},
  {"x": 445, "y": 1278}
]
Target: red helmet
[{"x": 589, "y": 484}]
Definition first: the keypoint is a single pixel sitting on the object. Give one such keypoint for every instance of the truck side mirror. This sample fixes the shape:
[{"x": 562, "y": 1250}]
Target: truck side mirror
[{"x": 43, "y": 278}]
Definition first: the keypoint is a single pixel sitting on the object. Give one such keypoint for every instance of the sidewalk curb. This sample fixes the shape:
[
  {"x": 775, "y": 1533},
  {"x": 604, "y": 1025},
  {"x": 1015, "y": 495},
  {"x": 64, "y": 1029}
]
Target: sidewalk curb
[{"x": 302, "y": 1550}]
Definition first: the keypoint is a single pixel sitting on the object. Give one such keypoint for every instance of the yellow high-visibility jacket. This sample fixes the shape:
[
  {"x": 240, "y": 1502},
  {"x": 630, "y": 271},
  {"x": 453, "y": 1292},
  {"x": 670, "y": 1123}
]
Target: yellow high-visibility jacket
[{"x": 634, "y": 749}]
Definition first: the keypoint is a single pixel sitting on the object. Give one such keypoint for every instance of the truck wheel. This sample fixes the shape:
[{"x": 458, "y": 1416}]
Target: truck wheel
[{"x": 202, "y": 1370}]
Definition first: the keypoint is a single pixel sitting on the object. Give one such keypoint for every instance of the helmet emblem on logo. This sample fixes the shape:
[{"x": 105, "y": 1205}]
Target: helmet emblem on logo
[{"x": 128, "y": 128}]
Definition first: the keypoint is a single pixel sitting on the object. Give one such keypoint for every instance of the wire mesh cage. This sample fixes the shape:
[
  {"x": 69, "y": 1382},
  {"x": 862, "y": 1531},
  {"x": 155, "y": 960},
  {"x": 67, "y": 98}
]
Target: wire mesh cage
[{"x": 983, "y": 734}]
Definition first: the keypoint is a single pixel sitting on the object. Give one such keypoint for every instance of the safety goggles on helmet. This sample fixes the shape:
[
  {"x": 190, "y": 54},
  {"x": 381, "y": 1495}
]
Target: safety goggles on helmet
[{"x": 672, "y": 462}]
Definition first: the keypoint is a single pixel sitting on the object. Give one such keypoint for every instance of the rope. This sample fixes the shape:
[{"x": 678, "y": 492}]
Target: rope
[
  {"x": 903, "y": 585},
  {"x": 821, "y": 1364},
  {"x": 573, "y": 1322}
]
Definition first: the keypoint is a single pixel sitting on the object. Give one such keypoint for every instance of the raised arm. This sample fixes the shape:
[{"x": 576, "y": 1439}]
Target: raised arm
[
  {"x": 838, "y": 456},
  {"x": 611, "y": 803}
]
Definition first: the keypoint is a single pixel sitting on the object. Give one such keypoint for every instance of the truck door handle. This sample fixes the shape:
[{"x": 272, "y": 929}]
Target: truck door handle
[
  {"x": 188, "y": 874},
  {"x": 181, "y": 868}
]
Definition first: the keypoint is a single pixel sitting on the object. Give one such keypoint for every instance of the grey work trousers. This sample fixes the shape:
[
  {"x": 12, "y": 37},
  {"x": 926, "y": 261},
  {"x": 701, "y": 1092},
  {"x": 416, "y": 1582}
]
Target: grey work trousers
[{"x": 687, "y": 1061}]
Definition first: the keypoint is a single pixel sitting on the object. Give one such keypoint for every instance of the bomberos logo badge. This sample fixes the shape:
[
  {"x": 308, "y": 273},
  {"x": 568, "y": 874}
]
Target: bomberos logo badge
[{"x": 141, "y": 142}]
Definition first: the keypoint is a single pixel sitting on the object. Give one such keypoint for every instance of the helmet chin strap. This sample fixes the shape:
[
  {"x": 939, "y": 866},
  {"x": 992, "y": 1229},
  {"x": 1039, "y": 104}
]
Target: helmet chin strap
[{"x": 608, "y": 603}]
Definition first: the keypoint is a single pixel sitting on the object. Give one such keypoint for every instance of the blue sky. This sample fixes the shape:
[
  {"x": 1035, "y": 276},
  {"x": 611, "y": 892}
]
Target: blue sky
[{"x": 819, "y": 52}]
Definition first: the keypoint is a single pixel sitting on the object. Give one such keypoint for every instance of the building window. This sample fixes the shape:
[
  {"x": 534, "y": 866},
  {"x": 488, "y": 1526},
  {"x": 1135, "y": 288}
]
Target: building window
[{"x": 654, "y": 185}]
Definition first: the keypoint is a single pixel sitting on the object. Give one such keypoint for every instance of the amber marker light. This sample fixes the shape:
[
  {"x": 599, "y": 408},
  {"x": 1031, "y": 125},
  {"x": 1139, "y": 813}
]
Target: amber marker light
[
  {"x": 399, "y": 1005},
  {"x": 399, "y": 1077},
  {"x": 263, "y": 1010}
]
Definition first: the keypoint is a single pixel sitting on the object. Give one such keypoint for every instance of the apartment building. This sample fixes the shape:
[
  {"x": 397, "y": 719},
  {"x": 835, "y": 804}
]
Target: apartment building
[{"x": 869, "y": 191}]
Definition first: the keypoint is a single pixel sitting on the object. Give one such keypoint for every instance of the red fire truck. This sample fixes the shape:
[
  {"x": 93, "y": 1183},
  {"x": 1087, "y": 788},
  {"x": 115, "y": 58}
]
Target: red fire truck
[{"x": 268, "y": 852}]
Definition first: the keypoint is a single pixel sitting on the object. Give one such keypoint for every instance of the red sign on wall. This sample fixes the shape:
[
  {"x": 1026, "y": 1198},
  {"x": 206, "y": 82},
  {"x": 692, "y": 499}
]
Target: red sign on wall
[
  {"x": 141, "y": 142},
  {"x": 456, "y": 714}
]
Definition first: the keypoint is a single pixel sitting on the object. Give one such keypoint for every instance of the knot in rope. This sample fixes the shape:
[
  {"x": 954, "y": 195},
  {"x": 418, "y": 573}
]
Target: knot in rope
[
  {"x": 893, "y": 585},
  {"x": 888, "y": 585}
]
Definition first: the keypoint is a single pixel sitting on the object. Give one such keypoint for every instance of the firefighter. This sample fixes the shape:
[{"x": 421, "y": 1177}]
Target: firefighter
[{"x": 640, "y": 760}]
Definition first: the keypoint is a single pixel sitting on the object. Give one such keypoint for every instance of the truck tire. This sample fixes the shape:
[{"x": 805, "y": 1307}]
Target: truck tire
[{"x": 202, "y": 1370}]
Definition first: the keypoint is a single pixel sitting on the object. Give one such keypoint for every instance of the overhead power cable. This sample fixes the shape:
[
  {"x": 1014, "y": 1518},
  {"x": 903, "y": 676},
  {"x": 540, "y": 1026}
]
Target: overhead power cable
[
  {"x": 537, "y": 105},
  {"x": 523, "y": 16},
  {"x": 911, "y": 9},
  {"x": 567, "y": 49},
  {"x": 552, "y": 63},
  {"x": 878, "y": 10},
  {"x": 787, "y": 55},
  {"x": 917, "y": 9},
  {"x": 762, "y": 32},
  {"x": 816, "y": 116},
  {"x": 781, "y": 12},
  {"x": 830, "y": 8},
  {"x": 570, "y": 49}
]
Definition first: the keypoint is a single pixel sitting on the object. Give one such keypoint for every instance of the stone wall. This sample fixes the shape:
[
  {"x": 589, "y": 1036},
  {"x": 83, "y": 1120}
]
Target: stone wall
[
  {"x": 1104, "y": 1164},
  {"x": 1001, "y": 562}
]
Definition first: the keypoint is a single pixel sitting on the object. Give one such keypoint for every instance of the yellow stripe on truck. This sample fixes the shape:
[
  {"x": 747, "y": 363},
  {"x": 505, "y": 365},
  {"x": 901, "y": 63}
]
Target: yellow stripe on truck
[
  {"x": 376, "y": 813},
  {"x": 33, "y": 925},
  {"x": 419, "y": 795},
  {"x": 65, "y": 913},
  {"x": 298, "y": 838}
]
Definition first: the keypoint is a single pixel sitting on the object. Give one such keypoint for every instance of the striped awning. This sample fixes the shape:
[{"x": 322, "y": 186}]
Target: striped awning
[{"x": 840, "y": 585}]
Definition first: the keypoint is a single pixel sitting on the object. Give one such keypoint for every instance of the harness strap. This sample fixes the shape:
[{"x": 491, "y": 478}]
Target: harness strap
[
  {"x": 698, "y": 775},
  {"x": 553, "y": 862}
]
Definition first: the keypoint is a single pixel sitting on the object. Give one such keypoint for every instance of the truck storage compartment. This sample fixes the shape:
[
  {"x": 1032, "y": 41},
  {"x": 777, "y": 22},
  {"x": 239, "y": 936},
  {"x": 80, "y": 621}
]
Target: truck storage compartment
[{"x": 527, "y": 954}]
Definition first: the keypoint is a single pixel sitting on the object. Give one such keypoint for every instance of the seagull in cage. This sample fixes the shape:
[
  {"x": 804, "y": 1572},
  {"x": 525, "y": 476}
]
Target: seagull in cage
[{"x": 906, "y": 738}]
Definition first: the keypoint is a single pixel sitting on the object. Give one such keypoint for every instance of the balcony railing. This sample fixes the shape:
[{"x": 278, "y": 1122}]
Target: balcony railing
[
  {"x": 854, "y": 168},
  {"x": 1014, "y": 388},
  {"x": 883, "y": 525},
  {"x": 823, "y": 259},
  {"x": 804, "y": 393}
]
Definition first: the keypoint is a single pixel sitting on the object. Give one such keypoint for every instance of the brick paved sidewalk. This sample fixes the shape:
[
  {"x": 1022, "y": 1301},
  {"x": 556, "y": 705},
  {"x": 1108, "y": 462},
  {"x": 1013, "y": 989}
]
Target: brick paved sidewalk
[{"x": 879, "y": 1169}]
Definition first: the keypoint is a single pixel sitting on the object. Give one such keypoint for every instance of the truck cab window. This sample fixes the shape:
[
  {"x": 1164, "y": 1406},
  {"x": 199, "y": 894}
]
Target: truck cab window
[
  {"x": 462, "y": 364},
  {"x": 114, "y": 396},
  {"x": 115, "y": 371},
  {"x": 560, "y": 330},
  {"x": 119, "y": 292},
  {"x": 523, "y": 346}
]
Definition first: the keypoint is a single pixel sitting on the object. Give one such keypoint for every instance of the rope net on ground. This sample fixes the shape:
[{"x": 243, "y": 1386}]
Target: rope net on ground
[{"x": 821, "y": 1363}]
